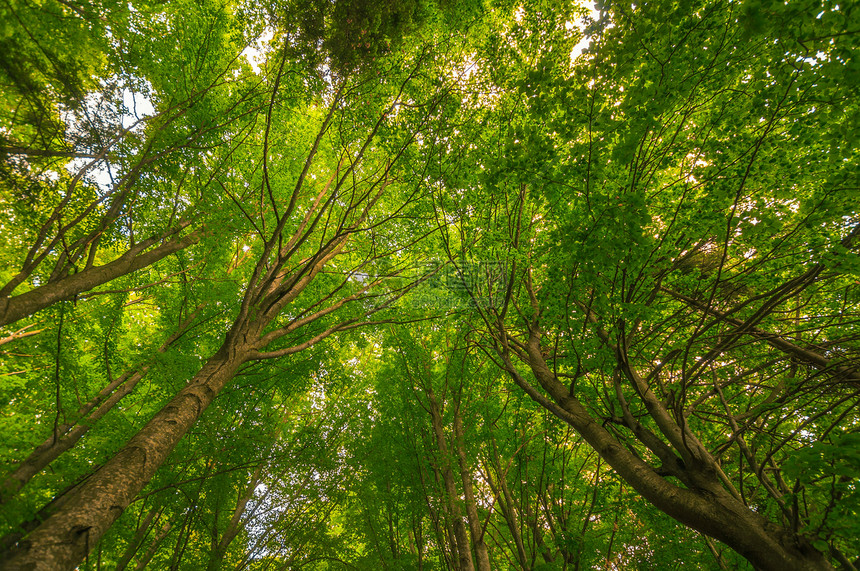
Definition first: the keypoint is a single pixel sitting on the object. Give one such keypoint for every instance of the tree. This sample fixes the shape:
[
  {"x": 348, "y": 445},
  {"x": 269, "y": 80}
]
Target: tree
[
  {"x": 302, "y": 231},
  {"x": 133, "y": 190},
  {"x": 655, "y": 261},
  {"x": 428, "y": 285}
]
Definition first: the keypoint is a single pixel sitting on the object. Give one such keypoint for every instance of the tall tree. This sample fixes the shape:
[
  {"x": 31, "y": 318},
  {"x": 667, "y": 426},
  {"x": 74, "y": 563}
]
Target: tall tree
[
  {"x": 132, "y": 190},
  {"x": 428, "y": 285},
  {"x": 302, "y": 231},
  {"x": 658, "y": 267}
]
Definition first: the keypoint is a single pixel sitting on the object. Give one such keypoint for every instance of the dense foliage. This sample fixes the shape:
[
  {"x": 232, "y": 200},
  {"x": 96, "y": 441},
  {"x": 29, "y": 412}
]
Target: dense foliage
[{"x": 300, "y": 284}]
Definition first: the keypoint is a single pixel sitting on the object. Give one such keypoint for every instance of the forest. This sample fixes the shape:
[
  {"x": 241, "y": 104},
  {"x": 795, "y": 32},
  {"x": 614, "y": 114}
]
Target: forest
[{"x": 391, "y": 285}]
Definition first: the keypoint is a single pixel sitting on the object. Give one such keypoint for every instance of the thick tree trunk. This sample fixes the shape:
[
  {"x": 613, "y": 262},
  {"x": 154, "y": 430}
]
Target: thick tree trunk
[
  {"x": 708, "y": 507},
  {"x": 63, "y": 540},
  {"x": 14, "y": 308}
]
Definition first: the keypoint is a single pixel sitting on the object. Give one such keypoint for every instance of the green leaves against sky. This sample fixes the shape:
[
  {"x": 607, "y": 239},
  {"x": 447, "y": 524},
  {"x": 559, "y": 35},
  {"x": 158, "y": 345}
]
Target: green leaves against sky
[{"x": 502, "y": 285}]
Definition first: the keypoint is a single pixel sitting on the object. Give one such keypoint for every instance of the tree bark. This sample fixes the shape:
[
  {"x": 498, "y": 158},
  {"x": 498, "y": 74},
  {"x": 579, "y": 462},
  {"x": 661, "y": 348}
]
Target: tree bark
[
  {"x": 706, "y": 506},
  {"x": 14, "y": 308},
  {"x": 63, "y": 540}
]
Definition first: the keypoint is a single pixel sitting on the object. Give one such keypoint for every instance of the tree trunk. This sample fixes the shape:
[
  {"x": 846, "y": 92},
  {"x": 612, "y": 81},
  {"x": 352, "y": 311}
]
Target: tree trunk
[
  {"x": 63, "y": 540},
  {"x": 708, "y": 507},
  {"x": 481, "y": 554},
  {"x": 460, "y": 536},
  {"x": 14, "y": 308}
]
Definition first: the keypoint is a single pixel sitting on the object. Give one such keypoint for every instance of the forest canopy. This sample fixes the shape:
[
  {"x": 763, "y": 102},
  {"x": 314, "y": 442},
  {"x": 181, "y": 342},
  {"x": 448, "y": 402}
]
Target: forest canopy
[{"x": 433, "y": 284}]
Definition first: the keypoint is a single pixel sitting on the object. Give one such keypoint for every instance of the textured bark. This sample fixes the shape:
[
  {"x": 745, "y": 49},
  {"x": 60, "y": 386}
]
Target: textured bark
[
  {"x": 63, "y": 540},
  {"x": 14, "y": 308},
  {"x": 706, "y": 507}
]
